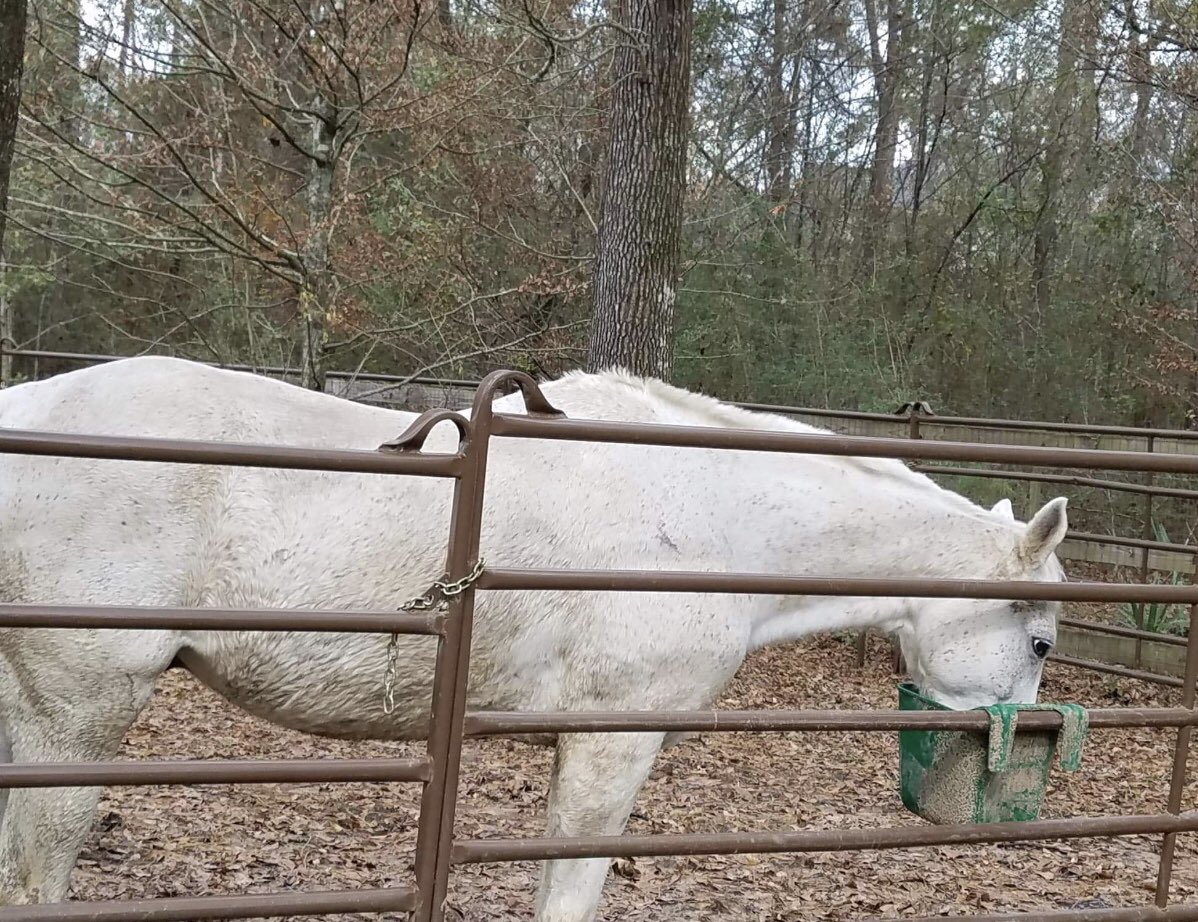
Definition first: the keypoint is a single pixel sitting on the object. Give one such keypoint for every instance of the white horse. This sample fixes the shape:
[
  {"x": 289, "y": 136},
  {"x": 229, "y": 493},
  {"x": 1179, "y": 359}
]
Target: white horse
[{"x": 115, "y": 532}]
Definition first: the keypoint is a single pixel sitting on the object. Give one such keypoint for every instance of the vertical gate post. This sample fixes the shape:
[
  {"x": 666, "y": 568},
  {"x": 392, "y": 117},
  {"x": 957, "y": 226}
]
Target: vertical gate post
[
  {"x": 862, "y": 644},
  {"x": 913, "y": 416},
  {"x": 1181, "y": 755},
  {"x": 451, "y": 672},
  {"x": 438, "y": 806},
  {"x": 1149, "y": 535}
]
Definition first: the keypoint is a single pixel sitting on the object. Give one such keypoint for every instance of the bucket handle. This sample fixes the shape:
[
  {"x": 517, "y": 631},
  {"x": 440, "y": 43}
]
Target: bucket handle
[{"x": 1075, "y": 724}]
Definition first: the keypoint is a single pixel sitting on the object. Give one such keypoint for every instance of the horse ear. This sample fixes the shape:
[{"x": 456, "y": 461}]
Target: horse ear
[
  {"x": 1044, "y": 532},
  {"x": 1004, "y": 510}
]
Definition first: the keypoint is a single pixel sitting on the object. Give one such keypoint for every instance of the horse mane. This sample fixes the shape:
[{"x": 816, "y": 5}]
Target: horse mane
[
  {"x": 709, "y": 409},
  {"x": 702, "y": 409},
  {"x": 693, "y": 408}
]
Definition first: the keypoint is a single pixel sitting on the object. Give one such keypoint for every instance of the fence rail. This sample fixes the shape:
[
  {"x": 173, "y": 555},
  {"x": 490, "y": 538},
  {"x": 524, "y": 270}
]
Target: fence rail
[
  {"x": 279, "y": 771},
  {"x": 1115, "y": 486},
  {"x": 233, "y": 906},
  {"x": 438, "y": 850},
  {"x": 218, "y": 619},
  {"x": 503, "y": 723},
  {"x": 478, "y": 851}
]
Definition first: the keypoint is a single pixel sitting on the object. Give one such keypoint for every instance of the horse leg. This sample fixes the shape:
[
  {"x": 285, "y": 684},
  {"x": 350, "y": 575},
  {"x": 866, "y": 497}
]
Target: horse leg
[
  {"x": 60, "y": 707},
  {"x": 596, "y": 777}
]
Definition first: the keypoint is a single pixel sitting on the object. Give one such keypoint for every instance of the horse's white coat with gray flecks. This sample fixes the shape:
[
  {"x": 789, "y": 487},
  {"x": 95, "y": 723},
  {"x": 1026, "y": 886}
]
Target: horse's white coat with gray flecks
[{"x": 114, "y": 532}]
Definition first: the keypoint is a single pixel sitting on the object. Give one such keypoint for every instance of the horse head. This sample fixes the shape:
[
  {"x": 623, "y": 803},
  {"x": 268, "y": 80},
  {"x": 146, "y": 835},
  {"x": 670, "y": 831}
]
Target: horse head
[{"x": 968, "y": 653}]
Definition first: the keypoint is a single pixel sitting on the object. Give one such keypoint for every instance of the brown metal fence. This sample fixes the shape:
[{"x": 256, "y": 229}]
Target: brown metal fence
[{"x": 447, "y": 613}]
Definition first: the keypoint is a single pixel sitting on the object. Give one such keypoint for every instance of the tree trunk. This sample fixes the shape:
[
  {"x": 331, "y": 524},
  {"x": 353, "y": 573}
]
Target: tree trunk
[
  {"x": 886, "y": 71},
  {"x": 12, "y": 58},
  {"x": 54, "y": 39},
  {"x": 806, "y": 164},
  {"x": 316, "y": 290},
  {"x": 128, "y": 32},
  {"x": 1140, "y": 71},
  {"x": 317, "y": 284},
  {"x": 780, "y": 124},
  {"x": 1074, "y": 120},
  {"x": 925, "y": 137},
  {"x": 636, "y": 260}
]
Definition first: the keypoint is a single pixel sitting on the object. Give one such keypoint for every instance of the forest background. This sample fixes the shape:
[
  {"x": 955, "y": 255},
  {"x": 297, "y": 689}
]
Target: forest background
[{"x": 991, "y": 205}]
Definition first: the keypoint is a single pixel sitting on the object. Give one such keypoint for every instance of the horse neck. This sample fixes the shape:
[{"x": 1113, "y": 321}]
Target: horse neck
[
  {"x": 823, "y": 516},
  {"x": 876, "y": 525}
]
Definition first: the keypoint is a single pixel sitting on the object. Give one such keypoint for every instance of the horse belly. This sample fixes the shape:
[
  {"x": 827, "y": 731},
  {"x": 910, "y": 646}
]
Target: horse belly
[{"x": 326, "y": 685}]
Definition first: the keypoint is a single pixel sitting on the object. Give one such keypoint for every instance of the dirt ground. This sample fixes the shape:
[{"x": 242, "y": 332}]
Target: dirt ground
[{"x": 251, "y": 838}]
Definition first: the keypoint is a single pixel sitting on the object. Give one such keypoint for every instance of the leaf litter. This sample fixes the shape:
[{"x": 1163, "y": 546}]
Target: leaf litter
[{"x": 173, "y": 841}]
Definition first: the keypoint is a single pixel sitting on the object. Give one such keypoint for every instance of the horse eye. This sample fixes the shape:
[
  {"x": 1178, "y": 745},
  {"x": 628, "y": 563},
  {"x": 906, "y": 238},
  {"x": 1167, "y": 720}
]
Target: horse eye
[{"x": 1041, "y": 647}]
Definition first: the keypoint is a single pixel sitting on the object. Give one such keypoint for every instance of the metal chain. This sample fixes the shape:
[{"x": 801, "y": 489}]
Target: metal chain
[
  {"x": 435, "y": 599},
  {"x": 449, "y": 590}
]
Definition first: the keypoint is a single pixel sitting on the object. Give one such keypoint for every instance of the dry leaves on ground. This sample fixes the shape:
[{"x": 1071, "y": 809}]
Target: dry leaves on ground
[{"x": 254, "y": 838}]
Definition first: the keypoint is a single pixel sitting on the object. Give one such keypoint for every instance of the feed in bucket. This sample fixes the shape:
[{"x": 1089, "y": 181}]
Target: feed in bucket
[{"x": 953, "y": 776}]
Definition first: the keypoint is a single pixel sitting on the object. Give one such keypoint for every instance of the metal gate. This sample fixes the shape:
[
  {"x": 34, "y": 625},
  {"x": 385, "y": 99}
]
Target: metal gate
[{"x": 447, "y": 612}]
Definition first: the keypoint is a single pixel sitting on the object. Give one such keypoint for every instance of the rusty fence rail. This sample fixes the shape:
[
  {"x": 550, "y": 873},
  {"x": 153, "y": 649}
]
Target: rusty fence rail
[
  {"x": 1117, "y": 486},
  {"x": 437, "y": 848},
  {"x": 94, "y": 358},
  {"x": 918, "y": 409}
]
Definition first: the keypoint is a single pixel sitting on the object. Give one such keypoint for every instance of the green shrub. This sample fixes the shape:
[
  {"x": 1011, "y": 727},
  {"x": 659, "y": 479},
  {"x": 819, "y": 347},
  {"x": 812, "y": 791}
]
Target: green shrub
[{"x": 1159, "y": 617}]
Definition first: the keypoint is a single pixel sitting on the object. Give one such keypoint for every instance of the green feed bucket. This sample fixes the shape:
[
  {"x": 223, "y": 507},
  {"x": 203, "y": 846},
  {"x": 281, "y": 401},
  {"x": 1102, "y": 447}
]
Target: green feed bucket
[{"x": 952, "y": 776}]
